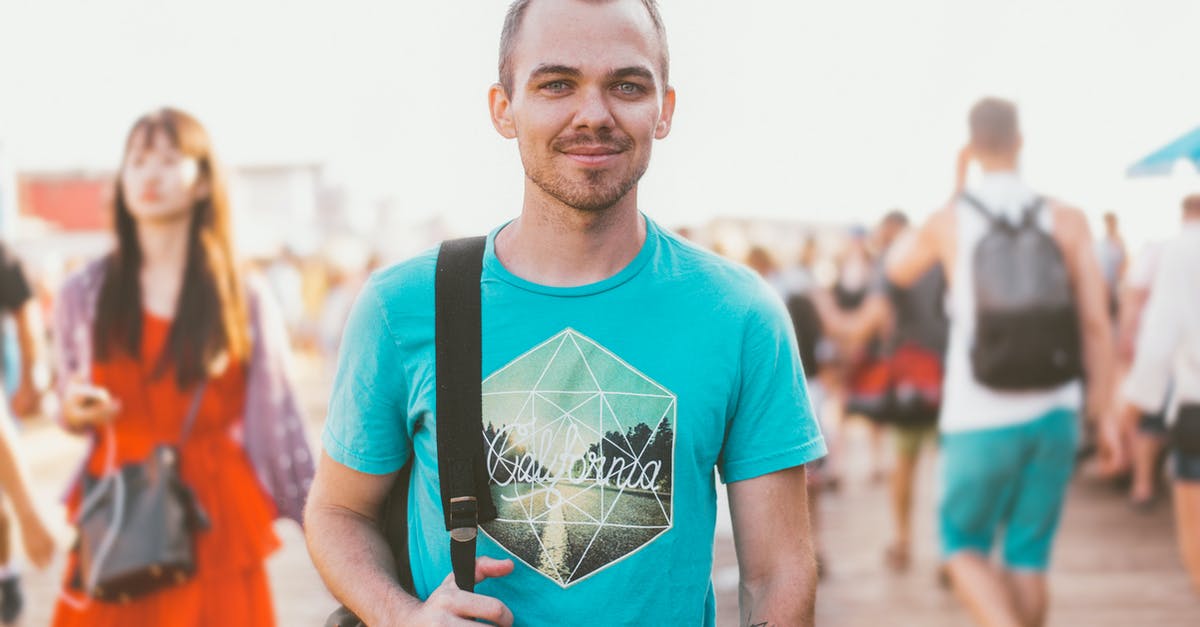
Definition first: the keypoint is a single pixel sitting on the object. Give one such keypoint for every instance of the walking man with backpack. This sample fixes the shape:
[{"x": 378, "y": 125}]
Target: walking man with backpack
[
  {"x": 622, "y": 368},
  {"x": 1029, "y": 319}
]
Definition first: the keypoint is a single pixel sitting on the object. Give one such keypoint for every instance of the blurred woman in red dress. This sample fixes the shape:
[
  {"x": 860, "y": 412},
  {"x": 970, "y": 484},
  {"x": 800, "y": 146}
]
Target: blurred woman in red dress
[{"x": 137, "y": 333}]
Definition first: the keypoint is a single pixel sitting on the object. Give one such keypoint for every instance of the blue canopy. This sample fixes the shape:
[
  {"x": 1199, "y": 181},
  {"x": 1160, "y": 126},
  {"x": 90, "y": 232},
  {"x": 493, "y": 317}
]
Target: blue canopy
[{"x": 1161, "y": 161}]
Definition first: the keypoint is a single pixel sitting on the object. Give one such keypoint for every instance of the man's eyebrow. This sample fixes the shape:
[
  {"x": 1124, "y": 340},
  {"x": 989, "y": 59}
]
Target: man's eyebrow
[
  {"x": 633, "y": 71},
  {"x": 549, "y": 69},
  {"x": 558, "y": 70}
]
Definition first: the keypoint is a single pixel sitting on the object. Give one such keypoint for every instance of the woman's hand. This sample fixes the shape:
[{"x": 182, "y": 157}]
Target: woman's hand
[{"x": 88, "y": 405}]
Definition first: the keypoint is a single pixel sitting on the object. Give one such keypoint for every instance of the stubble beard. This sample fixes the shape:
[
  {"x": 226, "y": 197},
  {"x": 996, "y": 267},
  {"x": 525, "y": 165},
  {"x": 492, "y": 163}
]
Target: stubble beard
[{"x": 600, "y": 190}]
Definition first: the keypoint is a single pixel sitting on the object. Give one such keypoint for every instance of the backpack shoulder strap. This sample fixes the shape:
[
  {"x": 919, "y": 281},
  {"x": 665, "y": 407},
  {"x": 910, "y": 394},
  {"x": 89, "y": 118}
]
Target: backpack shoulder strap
[
  {"x": 466, "y": 497},
  {"x": 1029, "y": 214},
  {"x": 978, "y": 206}
]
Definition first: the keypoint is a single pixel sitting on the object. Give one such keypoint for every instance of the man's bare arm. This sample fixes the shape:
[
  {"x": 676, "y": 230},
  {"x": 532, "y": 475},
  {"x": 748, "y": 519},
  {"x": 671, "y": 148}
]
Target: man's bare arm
[
  {"x": 36, "y": 535},
  {"x": 30, "y": 338},
  {"x": 1129, "y": 313},
  {"x": 773, "y": 537},
  {"x": 1075, "y": 239},
  {"x": 342, "y": 530},
  {"x": 341, "y": 526},
  {"x": 918, "y": 251}
]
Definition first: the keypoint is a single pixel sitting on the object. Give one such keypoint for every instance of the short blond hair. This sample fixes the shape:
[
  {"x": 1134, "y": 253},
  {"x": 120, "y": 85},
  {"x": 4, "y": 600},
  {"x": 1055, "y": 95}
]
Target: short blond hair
[
  {"x": 516, "y": 16},
  {"x": 994, "y": 125}
]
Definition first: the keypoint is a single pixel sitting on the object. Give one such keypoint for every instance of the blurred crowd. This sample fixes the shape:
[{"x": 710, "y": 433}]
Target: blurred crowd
[{"x": 878, "y": 315}]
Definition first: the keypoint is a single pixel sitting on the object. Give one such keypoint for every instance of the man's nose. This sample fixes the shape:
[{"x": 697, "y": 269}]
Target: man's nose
[{"x": 594, "y": 110}]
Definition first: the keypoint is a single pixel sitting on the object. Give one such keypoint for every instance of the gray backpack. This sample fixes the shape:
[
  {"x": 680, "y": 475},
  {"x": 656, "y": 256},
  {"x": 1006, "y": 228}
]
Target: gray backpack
[{"x": 1026, "y": 324}]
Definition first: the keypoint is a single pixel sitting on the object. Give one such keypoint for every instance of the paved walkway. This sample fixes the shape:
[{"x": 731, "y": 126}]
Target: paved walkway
[{"x": 1113, "y": 566}]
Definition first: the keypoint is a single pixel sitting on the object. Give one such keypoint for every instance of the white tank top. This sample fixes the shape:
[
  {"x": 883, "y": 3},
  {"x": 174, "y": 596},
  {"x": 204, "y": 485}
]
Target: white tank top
[{"x": 968, "y": 405}]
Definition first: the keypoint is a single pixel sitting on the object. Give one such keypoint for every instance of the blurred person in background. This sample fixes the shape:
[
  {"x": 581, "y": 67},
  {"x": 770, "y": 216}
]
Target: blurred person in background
[
  {"x": 912, "y": 322},
  {"x": 17, "y": 298},
  {"x": 815, "y": 319},
  {"x": 36, "y": 537},
  {"x": 1111, "y": 252},
  {"x": 1009, "y": 410},
  {"x": 1167, "y": 363},
  {"x": 858, "y": 381},
  {"x": 165, "y": 319},
  {"x": 1139, "y": 448}
]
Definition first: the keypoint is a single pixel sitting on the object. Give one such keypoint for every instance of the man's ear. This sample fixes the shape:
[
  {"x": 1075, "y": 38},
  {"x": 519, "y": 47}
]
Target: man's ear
[
  {"x": 663, "y": 128},
  {"x": 501, "y": 110}
]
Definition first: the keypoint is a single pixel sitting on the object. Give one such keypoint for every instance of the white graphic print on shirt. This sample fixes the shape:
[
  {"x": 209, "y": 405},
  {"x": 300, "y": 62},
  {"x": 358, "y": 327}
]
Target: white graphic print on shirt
[{"x": 580, "y": 450}]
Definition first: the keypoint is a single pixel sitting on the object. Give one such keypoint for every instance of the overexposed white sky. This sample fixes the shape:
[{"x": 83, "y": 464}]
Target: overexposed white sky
[{"x": 814, "y": 110}]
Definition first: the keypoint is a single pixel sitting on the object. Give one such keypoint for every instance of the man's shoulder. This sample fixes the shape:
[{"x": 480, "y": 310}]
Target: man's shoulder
[
  {"x": 718, "y": 276},
  {"x": 1070, "y": 224},
  {"x": 405, "y": 284}
]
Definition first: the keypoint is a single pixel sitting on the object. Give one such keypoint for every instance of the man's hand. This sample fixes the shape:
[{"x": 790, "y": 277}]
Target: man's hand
[
  {"x": 450, "y": 606},
  {"x": 1112, "y": 458},
  {"x": 342, "y": 519}
]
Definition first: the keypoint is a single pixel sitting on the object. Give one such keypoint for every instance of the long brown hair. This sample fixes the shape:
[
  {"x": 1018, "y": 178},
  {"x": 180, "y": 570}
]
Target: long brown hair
[{"x": 211, "y": 322}]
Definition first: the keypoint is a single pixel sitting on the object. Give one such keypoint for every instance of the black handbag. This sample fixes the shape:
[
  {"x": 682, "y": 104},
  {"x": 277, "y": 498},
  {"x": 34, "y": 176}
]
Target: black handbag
[
  {"x": 466, "y": 497},
  {"x": 136, "y": 525}
]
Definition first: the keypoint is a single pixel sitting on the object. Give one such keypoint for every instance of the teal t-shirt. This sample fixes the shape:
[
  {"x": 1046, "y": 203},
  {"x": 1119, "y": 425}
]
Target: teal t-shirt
[{"x": 608, "y": 408}]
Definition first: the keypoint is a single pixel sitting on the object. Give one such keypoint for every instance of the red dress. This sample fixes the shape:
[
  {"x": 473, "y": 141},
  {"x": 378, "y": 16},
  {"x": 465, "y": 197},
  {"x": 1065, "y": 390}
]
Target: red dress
[{"x": 230, "y": 586}]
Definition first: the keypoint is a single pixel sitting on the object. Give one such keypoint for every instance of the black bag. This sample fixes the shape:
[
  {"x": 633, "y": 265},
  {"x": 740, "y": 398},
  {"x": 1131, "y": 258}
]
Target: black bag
[
  {"x": 466, "y": 495},
  {"x": 807, "y": 324},
  {"x": 136, "y": 526},
  {"x": 1026, "y": 326}
]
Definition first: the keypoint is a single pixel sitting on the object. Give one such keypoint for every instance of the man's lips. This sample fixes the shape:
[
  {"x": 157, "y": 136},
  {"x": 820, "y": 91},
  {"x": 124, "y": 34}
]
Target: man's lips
[{"x": 591, "y": 155}]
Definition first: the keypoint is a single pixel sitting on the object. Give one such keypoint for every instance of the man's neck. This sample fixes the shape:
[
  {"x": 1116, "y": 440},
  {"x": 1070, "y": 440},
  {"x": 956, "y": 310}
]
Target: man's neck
[
  {"x": 555, "y": 245},
  {"x": 997, "y": 164}
]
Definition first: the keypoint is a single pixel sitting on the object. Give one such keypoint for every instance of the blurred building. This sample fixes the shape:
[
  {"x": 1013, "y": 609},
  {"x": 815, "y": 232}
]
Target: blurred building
[{"x": 66, "y": 201}]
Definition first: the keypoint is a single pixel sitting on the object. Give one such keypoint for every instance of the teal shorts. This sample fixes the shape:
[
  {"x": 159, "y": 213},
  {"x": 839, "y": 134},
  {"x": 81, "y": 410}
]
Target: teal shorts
[{"x": 1011, "y": 481}]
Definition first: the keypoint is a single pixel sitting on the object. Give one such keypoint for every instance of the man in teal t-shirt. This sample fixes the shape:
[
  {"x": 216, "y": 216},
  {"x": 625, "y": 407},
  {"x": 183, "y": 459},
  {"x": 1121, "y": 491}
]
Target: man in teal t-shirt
[{"x": 623, "y": 369}]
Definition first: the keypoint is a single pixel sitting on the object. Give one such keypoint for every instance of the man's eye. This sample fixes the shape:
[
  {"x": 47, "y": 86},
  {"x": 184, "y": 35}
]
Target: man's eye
[
  {"x": 629, "y": 89},
  {"x": 556, "y": 86}
]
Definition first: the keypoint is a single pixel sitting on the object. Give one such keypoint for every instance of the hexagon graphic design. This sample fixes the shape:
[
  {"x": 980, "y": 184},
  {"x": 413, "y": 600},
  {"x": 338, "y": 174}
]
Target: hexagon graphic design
[{"x": 580, "y": 451}]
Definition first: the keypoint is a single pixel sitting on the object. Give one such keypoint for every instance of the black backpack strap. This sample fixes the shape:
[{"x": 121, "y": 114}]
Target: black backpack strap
[
  {"x": 462, "y": 470},
  {"x": 978, "y": 205},
  {"x": 1030, "y": 213}
]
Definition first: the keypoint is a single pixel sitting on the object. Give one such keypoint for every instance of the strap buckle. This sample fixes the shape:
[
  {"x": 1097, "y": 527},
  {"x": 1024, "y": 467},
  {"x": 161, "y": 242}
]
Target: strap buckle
[{"x": 464, "y": 518}]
